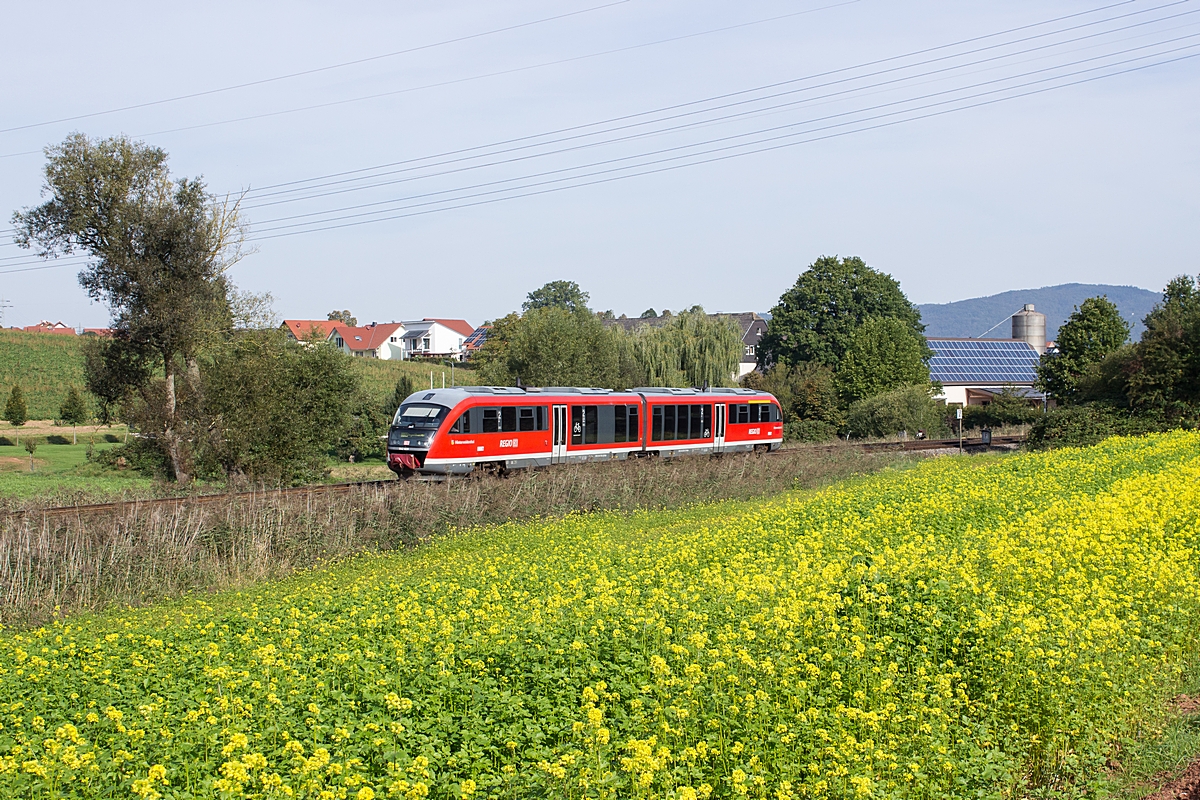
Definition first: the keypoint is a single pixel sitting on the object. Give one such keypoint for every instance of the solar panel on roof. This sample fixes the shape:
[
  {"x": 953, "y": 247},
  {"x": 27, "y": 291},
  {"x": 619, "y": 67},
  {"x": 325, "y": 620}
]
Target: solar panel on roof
[{"x": 983, "y": 361}]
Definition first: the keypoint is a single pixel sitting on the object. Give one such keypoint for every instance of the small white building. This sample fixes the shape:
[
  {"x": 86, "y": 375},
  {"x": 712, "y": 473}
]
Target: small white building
[
  {"x": 435, "y": 338},
  {"x": 369, "y": 341}
]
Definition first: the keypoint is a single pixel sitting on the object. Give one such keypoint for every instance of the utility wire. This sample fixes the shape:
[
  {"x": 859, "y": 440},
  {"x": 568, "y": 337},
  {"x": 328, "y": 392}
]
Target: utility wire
[
  {"x": 770, "y": 146},
  {"x": 316, "y": 70},
  {"x": 499, "y": 73},
  {"x": 685, "y": 126},
  {"x": 763, "y": 87},
  {"x": 722, "y": 157},
  {"x": 903, "y": 101}
]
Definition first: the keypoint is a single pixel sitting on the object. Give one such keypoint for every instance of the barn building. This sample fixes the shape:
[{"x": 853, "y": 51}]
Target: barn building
[{"x": 973, "y": 371}]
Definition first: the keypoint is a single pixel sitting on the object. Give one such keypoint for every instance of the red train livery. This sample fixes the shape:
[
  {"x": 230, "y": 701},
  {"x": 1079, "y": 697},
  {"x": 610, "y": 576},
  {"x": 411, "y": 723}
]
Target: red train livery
[{"x": 453, "y": 431}]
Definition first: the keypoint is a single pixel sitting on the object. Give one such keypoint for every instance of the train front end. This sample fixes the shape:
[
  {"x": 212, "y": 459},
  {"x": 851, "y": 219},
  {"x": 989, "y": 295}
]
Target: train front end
[{"x": 414, "y": 431}]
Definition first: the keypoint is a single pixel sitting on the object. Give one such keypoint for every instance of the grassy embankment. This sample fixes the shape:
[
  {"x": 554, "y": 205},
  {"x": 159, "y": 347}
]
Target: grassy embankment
[{"x": 967, "y": 628}]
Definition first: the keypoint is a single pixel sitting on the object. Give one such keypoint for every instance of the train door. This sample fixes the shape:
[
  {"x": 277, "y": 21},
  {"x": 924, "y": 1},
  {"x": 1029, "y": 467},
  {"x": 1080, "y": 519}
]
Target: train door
[
  {"x": 719, "y": 428},
  {"x": 558, "y": 454}
]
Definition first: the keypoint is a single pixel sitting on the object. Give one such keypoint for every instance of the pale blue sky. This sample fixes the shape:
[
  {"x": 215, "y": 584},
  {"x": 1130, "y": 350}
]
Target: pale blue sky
[{"x": 1091, "y": 183}]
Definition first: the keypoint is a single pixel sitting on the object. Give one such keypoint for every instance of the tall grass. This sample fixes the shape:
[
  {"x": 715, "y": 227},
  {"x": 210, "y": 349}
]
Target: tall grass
[{"x": 53, "y": 564}]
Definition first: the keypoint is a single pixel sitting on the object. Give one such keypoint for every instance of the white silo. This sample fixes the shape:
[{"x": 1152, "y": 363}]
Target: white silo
[{"x": 1030, "y": 326}]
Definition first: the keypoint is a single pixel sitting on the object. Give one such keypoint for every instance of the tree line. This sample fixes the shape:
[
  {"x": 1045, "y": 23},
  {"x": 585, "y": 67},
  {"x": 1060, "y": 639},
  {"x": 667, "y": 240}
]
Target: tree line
[
  {"x": 1105, "y": 385},
  {"x": 194, "y": 365},
  {"x": 556, "y": 340}
]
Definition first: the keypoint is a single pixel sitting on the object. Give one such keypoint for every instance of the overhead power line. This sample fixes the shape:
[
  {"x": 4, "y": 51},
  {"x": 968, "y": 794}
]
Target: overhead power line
[
  {"x": 610, "y": 179},
  {"x": 721, "y": 140},
  {"x": 763, "y": 87},
  {"x": 485, "y": 75},
  {"x": 298, "y": 197},
  {"x": 315, "y": 70}
]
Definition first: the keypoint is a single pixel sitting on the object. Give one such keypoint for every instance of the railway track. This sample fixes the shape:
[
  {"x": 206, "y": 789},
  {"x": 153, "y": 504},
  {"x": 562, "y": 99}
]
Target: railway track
[{"x": 342, "y": 488}]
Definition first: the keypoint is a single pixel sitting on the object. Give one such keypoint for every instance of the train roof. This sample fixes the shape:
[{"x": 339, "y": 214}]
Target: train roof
[{"x": 453, "y": 396}]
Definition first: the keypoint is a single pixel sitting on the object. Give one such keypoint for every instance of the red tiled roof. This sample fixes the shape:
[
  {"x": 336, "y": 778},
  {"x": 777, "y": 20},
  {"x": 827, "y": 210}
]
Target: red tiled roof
[
  {"x": 303, "y": 329},
  {"x": 46, "y": 326},
  {"x": 98, "y": 331},
  {"x": 456, "y": 325},
  {"x": 366, "y": 337}
]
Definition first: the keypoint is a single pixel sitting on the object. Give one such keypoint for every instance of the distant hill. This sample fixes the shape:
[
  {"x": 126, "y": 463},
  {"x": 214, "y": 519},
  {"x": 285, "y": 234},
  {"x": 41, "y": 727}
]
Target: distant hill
[{"x": 973, "y": 317}]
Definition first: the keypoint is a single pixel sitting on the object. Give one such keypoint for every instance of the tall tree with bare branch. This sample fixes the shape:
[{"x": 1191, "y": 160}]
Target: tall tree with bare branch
[{"x": 160, "y": 250}]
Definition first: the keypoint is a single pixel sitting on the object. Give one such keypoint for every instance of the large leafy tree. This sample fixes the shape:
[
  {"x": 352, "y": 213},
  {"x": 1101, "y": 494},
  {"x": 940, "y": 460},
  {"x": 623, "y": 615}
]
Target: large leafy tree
[
  {"x": 160, "y": 249},
  {"x": 1093, "y": 331},
  {"x": 273, "y": 409},
  {"x": 815, "y": 320},
  {"x": 557, "y": 294},
  {"x": 883, "y": 353},
  {"x": 1168, "y": 368}
]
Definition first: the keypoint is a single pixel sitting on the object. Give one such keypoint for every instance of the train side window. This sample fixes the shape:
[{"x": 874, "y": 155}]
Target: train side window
[
  {"x": 669, "y": 423},
  {"x": 656, "y": 428},
  {"x": 698, "y": 422},
  {"x": 491, "y": 420},
  {"x": 508, "y": 419},
  {"x": 591, "y": 420},
  {"x": 462, "y": 424},
  {"x": 620, "y": 418},
  {"x": 633, "y": 432},
  {"x": 526, "y": 421},
  {"x": 740, "y": 413},
  {"x": 541, "y": 418}
]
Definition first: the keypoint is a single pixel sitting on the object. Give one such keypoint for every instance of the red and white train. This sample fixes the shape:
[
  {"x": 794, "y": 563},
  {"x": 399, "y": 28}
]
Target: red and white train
[{"x": 453, "y": 431}]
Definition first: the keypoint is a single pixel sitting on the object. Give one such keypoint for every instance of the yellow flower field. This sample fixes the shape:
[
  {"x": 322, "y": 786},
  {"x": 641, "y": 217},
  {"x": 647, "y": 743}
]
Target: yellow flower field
[{"x": 960, "y": 629}]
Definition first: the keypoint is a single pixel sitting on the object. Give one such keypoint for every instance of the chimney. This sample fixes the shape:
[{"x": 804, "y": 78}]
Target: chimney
[{"x": 1030, "y": 326}]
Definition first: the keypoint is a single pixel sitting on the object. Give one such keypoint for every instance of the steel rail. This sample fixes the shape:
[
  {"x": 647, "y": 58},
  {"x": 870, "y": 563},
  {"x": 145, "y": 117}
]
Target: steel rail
[{"x": 123, "y": 506}]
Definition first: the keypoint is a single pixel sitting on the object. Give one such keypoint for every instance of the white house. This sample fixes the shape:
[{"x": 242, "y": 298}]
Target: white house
[
  {"x": 437, "y": 338},
  {"x": 432, "y": 338},
  {"x": 369, "y": 341}
]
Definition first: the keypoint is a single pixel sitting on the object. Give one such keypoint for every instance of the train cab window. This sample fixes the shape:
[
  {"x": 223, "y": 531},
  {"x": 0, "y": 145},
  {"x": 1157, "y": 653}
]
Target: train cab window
[
  {"x": 420, "y": 416},
  {"x": 763, "y": 412},
  {"x": 584, "y": 424},
  {"x": 462, "y": 424}
]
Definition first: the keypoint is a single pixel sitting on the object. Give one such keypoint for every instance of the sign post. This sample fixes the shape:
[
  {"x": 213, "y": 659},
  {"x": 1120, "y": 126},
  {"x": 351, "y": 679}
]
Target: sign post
[{"x": 958, "y": 416}]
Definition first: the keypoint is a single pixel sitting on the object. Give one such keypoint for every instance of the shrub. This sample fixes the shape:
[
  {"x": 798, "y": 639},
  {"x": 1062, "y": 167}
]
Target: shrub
[
  {"x": 808, "y": 430},
  {"x": 1089, "y": 423},
  {"x": 909, "y": 409}
]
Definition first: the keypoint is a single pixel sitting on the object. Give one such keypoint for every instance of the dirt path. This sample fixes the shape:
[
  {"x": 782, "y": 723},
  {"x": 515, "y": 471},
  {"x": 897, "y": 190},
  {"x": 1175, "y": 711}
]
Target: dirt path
[{"x": 1187, "y": 785}]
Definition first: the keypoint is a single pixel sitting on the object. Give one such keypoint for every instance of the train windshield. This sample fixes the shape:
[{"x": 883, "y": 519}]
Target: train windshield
[{"x": 420, "y": 416}]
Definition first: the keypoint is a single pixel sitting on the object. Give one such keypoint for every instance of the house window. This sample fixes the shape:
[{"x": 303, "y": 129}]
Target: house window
[
  {"x": 425, "y": 343},
  {"x": 749, "y": 349}
]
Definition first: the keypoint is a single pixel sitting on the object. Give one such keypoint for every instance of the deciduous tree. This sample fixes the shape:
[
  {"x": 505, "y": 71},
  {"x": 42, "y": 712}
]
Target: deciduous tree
[
  {"x": 816, "y": 318},
  {"x": 1093, "y": 331},
  {"x": 883, "y": 353},
  {"x": 74, "y": 411},
  {"x": 160, "y": 249},
  {"x": 16, "y": 412},
  {"x": 557, "y": 294}
]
